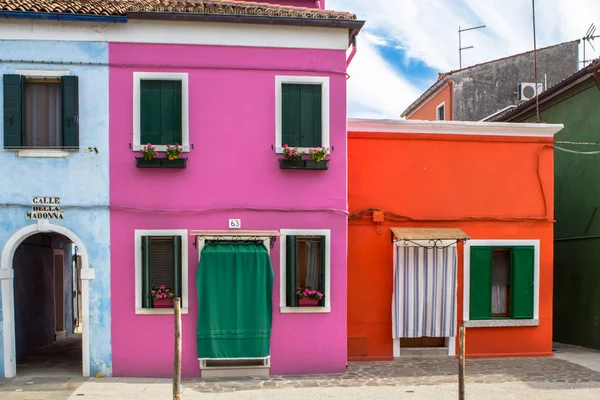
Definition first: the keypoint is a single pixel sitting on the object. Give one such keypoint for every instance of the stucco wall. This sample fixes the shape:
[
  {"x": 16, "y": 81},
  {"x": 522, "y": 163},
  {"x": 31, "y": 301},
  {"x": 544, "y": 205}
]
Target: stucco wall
[
  {"x": 232, "y": 172},
  {"x": 428, "y": 110},
  {"x": 80, "y": 180},
  {"x": 484, "y": 89},
  {"x": 479, "y": 184}
]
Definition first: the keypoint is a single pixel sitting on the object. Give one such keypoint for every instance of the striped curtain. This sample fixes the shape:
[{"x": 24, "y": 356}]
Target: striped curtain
[{"x": 424, "y": 299}]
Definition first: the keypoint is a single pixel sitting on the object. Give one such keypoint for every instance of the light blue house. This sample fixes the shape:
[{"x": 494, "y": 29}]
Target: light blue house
[{"x": 54, "y": 216}]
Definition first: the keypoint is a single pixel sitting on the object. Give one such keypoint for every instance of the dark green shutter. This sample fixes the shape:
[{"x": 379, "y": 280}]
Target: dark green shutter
[
  {"x": 170, "y": 112},
  {"x": 70, "y": 111},
  {"x": 160, "y": 112},
  {"x": 310, "y": 115},
  {"x": 290, "y": 115},
  {"x": 13, "y": 111},
  {"x": 177, "y": 266},
  {"x": 301, "y": 115},
  {"x": 291, "y": 271},
  {"x": 521, "y": 301},
  {"x": 324, "y": 256},
  {"x": 480, "y": 292},
  {"x": 146, "y": 272}
]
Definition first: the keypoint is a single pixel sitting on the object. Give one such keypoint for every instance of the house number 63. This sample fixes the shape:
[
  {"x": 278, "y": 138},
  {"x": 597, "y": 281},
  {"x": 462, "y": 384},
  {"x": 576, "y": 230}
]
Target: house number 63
[{"x": 235, "y": 223}]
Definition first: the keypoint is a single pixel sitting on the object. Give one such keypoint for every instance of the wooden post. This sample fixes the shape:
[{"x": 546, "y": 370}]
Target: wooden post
[
  {"x": 177, "y": 372},
  {"x": 461, "y": 363}
]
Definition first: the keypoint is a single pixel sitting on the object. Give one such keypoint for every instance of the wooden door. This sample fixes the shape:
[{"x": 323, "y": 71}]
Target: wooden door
[{"x": 423, "y": 342}]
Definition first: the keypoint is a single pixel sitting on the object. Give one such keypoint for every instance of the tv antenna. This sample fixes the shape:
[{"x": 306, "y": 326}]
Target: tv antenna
[
  {"x": 588, "y": 38},
  {"x": 460, "y": 48}
]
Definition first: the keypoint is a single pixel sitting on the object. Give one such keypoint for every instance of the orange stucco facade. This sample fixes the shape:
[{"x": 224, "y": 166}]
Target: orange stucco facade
[
  {"x": 428, "y": 109},
  {"x": 491, "y": 187}
]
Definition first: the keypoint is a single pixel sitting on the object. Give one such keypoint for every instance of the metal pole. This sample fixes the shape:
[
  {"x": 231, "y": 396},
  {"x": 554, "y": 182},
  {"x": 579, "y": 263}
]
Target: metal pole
[
  {"x": 177, "y": 372},
  {"x": 459, "y": 49},
  {"x": 461, "y": 363},
  {"x": 537, "y": 100}
]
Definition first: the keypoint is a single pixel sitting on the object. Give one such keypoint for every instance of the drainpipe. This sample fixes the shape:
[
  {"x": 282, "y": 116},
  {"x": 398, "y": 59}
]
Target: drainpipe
[{"x": 353, "y": 53}]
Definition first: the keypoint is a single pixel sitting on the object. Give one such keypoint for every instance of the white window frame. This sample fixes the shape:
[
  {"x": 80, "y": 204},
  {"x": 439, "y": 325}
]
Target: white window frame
[
  {"x": 161, "y": 76},
  {"x": 42, "y": 153},
  {"x": 183, "y": 233},
  {"x": 437, "y": 111},
  {"x": 283, "y": 308},
  {"x": 535, "y": 321},
  {"x": 325, "y": 107}
]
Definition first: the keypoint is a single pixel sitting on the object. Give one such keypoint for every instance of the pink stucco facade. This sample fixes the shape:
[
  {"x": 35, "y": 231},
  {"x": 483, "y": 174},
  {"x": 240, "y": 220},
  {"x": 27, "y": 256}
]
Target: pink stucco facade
[{"x": 232, "y": 172}]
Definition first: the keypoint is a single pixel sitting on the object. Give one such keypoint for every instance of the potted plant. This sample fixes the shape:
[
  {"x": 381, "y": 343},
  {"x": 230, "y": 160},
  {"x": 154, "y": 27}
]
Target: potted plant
[
  {"x": 292, "y": 158},
  {"x": 173, "y": 160},
  {"x": 317, "y": 155},
  {"x": 149, "y": 157},
  {"x": 308, "y": 297},
  {"x": 162, "y": 296}
]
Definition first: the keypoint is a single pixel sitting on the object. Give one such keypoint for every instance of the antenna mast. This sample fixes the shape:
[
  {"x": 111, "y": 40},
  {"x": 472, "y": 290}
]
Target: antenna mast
[
  {"x": 589, "y": 37},
  {"x": 460, "y": 48}
]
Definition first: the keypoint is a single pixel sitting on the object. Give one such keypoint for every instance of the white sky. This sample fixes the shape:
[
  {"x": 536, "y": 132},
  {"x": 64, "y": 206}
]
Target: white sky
[{"x": 426, "y": 31}]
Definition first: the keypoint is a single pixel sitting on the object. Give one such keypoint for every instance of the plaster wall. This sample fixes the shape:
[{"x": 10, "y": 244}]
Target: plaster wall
[
  {"x": 80, "y": 180},
  {"x": 482, "y": 185},
  {"x": 232, "y": 172}
]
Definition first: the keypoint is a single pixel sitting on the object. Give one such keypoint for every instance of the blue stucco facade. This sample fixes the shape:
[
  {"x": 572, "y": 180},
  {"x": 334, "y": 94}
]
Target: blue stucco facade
[{"x": 81, "y": 180}]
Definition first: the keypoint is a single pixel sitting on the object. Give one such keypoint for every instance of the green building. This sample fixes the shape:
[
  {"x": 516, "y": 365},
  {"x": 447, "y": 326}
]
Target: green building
[{"x": 574, "y": 102}]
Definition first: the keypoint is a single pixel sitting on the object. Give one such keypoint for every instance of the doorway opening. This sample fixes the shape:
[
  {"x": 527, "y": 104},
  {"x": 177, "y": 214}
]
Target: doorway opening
[{"x": 47, "y": 306}]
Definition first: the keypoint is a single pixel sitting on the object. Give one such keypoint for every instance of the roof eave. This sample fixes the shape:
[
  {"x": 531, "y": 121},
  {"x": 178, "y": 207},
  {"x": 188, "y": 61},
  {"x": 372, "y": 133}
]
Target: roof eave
[
  {"x": 425, "y": 96},
  {"x": 351, "y": 24}
]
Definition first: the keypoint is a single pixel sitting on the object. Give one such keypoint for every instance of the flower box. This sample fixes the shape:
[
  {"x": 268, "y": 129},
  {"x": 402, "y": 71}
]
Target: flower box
[
  {"x": 308, "y": 303},
  {"x": 303, "y": 164},
  {"x": 162, "y": 303},
  {"x": 160, "y": 163}
]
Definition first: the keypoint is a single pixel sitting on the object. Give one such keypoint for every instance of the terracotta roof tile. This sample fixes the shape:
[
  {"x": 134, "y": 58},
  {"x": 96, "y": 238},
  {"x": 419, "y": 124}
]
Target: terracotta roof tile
[{"x": 121, "y": 7}]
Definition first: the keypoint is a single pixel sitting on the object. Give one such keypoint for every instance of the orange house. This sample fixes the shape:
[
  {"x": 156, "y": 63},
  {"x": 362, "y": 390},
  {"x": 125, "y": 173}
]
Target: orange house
[{"x": 450, "y": 223}]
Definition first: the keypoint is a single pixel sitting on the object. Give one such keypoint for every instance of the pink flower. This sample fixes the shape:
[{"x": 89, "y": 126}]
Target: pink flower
[
  {"x": 154, "y": 291},
  {"x": 285, "y": 146},
  {"x": 162, "y": 286}
]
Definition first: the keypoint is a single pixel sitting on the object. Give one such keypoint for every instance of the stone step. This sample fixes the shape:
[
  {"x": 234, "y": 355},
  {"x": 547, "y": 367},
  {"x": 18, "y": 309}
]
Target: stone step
[{"x": 424, "y": 352}]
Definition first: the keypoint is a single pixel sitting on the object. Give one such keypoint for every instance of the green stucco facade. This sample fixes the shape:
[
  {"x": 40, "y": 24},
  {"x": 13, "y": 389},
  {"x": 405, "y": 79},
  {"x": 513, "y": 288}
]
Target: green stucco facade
[{"x": 577, "y": 213}]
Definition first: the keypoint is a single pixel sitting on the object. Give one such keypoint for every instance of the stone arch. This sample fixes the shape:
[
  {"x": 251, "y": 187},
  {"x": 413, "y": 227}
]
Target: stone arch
[{"x": 8, "y": 298}]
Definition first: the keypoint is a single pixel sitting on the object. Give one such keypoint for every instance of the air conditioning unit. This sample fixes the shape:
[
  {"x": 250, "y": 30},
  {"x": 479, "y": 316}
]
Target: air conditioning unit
[{"x": 527, "y": 90}]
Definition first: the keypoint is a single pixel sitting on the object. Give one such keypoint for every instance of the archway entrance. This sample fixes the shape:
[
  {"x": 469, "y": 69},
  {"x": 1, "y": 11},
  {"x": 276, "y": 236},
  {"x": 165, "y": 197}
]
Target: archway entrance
[{"x": 45, "y": 310}]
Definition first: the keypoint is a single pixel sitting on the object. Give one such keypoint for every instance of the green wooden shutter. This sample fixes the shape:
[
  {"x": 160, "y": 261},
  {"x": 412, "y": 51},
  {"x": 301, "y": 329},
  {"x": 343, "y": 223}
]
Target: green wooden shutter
[
  {"x": 170, "y": 112},
  {"x": 324, "y": 256},
  {"x": 13, "y": 111},
  {"x": 146, "y": 272},
  {"x": 290, "y": 115},
  {"x": 150, "y": 112},
  {"x": 70, "y": 111},
  {"x": 480, "y": 292},
  {"x": 521, "y": 293},
  {"x": 177, "y": 266},
  {"x": 310, "y": 115},
  {"x": 291, "y": 271}
]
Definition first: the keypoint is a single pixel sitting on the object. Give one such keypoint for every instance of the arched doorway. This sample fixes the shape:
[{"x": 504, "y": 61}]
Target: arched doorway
[{"x": 8, "y": 294}]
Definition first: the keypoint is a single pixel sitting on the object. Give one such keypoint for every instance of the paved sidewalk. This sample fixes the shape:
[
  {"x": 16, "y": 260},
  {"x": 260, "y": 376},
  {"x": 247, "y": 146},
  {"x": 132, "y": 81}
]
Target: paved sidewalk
[{"x": 574, "y": 373}]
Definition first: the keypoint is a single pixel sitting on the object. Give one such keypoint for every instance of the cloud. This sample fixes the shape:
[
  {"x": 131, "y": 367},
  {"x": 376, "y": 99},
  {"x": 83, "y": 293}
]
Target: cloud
[{"x": 426, "y": 31}]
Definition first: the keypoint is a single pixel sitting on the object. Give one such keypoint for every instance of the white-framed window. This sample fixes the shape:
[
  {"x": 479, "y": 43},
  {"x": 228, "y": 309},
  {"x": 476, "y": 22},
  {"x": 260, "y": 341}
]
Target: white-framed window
[
  {"x": 501, "y": 283},
  {"x": 41, "y": 109},
  {"x": 305, "y": 262},
  {"x": 160, "y": 110},
  {"x": 161, "y": 260},
  {"x": 301, "y": 112},
  {"x": 440, "y": 112}
]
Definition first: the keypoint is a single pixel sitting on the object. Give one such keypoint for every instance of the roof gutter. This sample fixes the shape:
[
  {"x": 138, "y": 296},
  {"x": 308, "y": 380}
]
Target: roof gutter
[
  {"x": 353, "y": 25},
  {"x": 62, "y": 16}
]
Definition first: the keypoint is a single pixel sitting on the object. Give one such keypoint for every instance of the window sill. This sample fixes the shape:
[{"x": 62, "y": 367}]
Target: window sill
[
  {"x": 42, "y": 153},
  {"x": 159, "y": 311},
  {"x": 160, "y": 148},
  {"x": 304, "y": 310},
  {"x": 496, "y": 323}
]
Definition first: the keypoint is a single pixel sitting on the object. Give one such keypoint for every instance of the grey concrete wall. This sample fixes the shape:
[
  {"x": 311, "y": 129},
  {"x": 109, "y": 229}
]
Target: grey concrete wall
[
  {"x": 484, "y": 89},
  {"x": 34, "y": 291}
]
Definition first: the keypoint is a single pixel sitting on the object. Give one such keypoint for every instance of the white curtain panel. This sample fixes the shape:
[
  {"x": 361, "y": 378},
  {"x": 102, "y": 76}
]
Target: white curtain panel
[
  {"x": 312, "y": 265},
  {"x": 424, "y": 298}
]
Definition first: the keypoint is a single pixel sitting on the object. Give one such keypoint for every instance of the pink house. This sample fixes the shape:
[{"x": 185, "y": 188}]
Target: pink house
[{"x": 228, "y": 226}]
